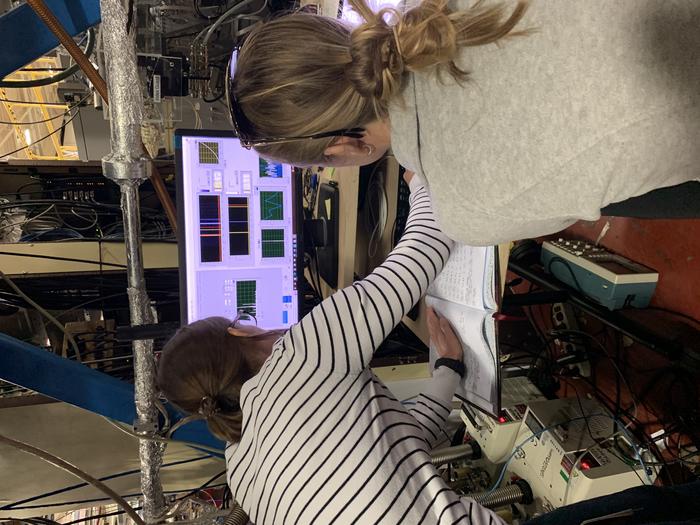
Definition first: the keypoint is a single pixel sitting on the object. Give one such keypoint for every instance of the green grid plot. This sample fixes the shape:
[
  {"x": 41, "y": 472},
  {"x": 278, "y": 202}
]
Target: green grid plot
[
  {"x": 208, "y": 152},
  {"x": 246, "y": 296},
  {"x": 271, "y": 207},
  {"x": 272, "y": 243}
]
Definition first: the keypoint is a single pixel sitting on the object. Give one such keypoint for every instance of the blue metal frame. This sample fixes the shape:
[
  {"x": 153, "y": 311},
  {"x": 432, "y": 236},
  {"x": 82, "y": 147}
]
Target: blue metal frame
[
  {"x": 30, "y": 367},
  {"x": 25, "y": 37}
]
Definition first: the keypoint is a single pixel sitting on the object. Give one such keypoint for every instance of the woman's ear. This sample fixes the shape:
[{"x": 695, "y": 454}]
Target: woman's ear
[
  {"x": 236, "y": 332},
  {"x": 346, "y": 147}
]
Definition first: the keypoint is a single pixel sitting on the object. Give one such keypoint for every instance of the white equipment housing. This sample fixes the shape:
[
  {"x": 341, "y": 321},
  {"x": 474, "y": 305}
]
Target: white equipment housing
[
  {"x": 576, "y": 460},
  {"x": 496, "y": 437}
]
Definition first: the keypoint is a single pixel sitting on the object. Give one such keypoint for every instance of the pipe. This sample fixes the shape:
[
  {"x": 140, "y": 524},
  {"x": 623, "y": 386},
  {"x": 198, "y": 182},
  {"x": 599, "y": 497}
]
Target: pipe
[
  {"x": 237, "y": 516},
  {"x": 45, "y": 14},
  {"x": 518, "y": 492},
  {"x": 128, "y": 167},
  {"x": 446, "y": 455}
]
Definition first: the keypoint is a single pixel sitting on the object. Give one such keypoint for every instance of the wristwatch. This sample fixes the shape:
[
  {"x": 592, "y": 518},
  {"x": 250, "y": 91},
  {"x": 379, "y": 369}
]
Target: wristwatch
[{"x": 452, "y": 364}]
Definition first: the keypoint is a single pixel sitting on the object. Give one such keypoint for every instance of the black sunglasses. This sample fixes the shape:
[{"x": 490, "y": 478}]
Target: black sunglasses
[{"x": 240, "y": 122}]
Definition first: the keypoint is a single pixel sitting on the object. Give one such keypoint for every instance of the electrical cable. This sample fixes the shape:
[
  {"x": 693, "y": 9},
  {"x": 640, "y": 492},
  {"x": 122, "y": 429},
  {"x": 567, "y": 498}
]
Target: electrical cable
[
  {"x": 198, "y": 11},
  {"x": 375, "y": 188},
  {"x": 98, "y": 516},
  {"x": 46, "y": 314},
  {"x": 68, "y": 259},
  {"x": 232, "y": 11},
  {"x": 182, "y": 422},
  {"x": 47, "y": 81},
  {"x": 32, "y": 102},
  {"x": 57, "y": 130},
  {"x": 93, "y": 500},
  {"x": 566, "y": 265},
  {"x": 612, "y": 361},
  {"x": 64, "y": 465},
  {"x": 70, "y": 108},
  {"x": 16, "y": 504},
  {"x": 317, "y": 265},
  {"x": 28, "y": 220},
  {"x": 674, "y": 313},
  {"x": 160, "y": 439}
]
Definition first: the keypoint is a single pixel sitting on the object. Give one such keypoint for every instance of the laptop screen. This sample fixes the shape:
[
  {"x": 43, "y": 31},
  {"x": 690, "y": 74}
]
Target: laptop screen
[{"x": 238, "y": 231}]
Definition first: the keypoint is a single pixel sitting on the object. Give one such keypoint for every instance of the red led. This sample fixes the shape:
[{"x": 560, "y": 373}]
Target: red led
[
  {"x": 585, "y": 465},
  {"x": 502, "y": 419}
]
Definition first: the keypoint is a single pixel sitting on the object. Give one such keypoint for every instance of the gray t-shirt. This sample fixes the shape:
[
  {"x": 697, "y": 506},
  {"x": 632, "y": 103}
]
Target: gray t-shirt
[{"x": 600, "y": 103}]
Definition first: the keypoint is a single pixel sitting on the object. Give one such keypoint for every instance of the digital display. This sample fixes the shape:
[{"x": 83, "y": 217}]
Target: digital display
[
  {"x": 533, "y": 424},
  {"x": 239, "y": 236},
  {"x": 616, "y": 267}
]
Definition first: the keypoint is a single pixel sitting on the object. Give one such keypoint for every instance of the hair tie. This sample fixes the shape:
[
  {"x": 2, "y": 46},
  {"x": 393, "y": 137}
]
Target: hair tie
[{"x": 208, "y": 407}]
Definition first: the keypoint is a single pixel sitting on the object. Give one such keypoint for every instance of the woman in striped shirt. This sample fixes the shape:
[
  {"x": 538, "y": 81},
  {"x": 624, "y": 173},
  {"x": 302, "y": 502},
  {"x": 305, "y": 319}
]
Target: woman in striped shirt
[{"x": 313, "y": 435}]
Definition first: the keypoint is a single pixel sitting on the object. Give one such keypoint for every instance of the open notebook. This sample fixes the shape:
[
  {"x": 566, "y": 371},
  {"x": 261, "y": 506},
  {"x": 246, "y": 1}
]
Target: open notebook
[{"x": 466, "y": 294}]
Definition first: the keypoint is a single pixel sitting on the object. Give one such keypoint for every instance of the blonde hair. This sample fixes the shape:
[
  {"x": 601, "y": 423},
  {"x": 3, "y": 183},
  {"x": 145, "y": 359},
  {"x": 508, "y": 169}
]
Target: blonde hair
[
  {"x": 202, "y": 369},
  {"x": 303, "y": 74}
]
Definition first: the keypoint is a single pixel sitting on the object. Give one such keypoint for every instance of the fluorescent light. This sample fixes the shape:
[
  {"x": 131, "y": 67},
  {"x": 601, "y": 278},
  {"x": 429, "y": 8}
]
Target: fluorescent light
[{"x": 27, "y": 136}]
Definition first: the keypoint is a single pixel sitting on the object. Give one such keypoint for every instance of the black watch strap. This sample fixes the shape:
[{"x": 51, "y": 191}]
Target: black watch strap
[{"x": 452, "y": 364}]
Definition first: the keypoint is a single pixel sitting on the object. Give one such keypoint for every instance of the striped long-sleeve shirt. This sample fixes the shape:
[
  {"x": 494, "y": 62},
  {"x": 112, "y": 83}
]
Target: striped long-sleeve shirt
[{"x": 323, "y": 440}]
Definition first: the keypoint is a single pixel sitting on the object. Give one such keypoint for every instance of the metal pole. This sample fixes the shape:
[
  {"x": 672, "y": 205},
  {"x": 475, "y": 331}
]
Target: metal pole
[{"x": 128, "y": 167}]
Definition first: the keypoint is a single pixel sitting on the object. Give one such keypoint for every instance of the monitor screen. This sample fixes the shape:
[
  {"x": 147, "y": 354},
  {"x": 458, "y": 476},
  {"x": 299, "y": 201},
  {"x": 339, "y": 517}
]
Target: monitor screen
[{"x": 237, "y": 231}]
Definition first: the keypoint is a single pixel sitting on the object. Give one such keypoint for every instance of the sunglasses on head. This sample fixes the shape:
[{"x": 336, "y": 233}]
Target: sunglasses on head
[{"x": 242, "y": 126}]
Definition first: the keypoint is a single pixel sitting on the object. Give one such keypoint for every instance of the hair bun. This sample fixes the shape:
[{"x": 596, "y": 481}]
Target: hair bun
[
  {"x": 390, "y": 42},
  {"x": 377, "y": 64}
]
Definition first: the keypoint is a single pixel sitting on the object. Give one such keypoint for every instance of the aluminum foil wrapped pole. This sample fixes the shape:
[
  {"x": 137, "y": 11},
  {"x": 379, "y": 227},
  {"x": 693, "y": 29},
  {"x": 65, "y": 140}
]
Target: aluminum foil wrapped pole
[{"x": 127, "y": 165}]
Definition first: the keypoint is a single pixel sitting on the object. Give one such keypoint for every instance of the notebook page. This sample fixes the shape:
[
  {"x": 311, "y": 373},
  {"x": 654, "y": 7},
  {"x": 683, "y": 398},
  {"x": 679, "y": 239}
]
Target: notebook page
[
  {"x": 474, "y": 329},
  {"x": 462, "y": 279},
  {"x": 489, "y": 284}
]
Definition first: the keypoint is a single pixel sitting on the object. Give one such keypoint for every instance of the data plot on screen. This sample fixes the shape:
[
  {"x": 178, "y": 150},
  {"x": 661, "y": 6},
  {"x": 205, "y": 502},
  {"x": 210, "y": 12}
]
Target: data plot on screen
[
  {"x": 209, "y": 228},
  {"x": 246, "y": 296},
  {"x": 272, "y": 243},
  {"x": 239, "y": 241},
  {"x": 238, "y": 227},
  {"x": 208, "y": 152},
  {"x": 270, "y": 169},
  {"x": 271, "y": 207}
]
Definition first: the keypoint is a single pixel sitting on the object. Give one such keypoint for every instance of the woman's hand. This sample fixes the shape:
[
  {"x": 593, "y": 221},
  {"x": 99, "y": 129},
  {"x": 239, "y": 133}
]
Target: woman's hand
[
  {"x": 407, "y": 176},
  {"x": 443, "y": 337}
]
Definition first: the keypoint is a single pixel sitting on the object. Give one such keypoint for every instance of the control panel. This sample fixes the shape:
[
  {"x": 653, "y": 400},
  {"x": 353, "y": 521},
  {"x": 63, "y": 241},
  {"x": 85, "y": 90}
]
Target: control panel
[
  {"x": 496, "y": 436},
  {"x": 570, "y": 450},
  {"x": 610, "y": 279}
]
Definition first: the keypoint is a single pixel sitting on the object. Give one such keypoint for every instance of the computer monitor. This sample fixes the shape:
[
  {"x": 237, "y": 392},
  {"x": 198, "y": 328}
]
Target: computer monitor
[{"x": 239, "y": 225}]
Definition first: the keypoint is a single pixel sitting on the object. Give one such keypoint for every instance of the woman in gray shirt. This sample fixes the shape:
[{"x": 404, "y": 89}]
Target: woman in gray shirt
[{"x": 578, "y": 105}]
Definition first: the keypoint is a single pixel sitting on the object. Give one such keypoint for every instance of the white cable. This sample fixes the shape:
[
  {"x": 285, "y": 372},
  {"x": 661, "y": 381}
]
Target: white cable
[
  {"x": 235, "y": 9},
  {"x": 376, "y": 189},
  {"x": 27, "y": 221}
]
